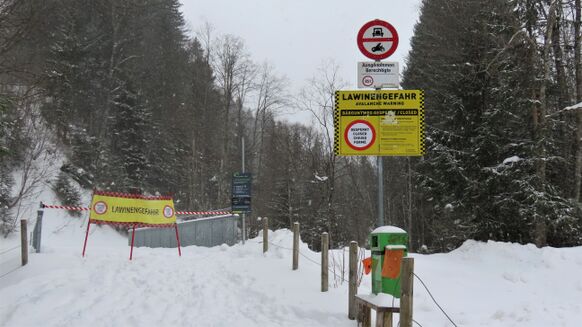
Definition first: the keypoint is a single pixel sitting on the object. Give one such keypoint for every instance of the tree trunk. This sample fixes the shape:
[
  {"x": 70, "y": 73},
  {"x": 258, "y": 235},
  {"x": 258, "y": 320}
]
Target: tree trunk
[
  {"x": 578, "y": 63},
  {"x": 540, "y": 128},
  {"x": 563, "y": 97}
]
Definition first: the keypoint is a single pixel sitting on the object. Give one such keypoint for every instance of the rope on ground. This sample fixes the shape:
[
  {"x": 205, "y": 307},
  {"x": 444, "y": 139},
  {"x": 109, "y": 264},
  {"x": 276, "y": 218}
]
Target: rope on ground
[
  {"x": 11, "y": 249},
  {"x": 415, "y": 275},
  {"x": 11, "y": 271},
  {"x": 416, "y": 322},
  {"x": 309, "y": 259},
  {"x": 435, "y": 301}
]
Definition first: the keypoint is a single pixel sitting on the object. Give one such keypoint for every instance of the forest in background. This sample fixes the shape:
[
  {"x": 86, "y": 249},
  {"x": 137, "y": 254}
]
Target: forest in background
[{"x": 139, "y": 104}]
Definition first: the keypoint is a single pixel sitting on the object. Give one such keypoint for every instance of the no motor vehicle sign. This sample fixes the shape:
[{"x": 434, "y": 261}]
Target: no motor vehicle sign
[{"x": 377, "y": 39}]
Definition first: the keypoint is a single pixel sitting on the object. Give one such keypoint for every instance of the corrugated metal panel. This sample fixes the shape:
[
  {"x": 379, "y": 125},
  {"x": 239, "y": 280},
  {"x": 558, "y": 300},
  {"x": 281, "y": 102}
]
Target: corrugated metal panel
[{"x": 209, "y": 232}]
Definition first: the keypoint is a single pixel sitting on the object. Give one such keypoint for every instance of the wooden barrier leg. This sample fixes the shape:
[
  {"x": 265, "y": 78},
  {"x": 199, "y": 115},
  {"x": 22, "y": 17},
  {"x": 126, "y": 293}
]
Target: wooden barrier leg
[
  {"x": 384, "y": 319},
  {"x": 178, "y": 240},
  {"x": 364, "y": 316},
  {"x": 132, "y": 239},
  {"x": 86, "y": 236}
]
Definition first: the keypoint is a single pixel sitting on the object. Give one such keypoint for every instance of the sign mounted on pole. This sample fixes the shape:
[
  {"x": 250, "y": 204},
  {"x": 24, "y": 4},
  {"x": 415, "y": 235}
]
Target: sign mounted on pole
[
  {"x": 377, "y": 39},
  {"x": 120, "y": 208},
  {"x": 132, "y": 210},
  {"x": 241, "y": 192},
  {"x": 378, "y": 74},
  {"x": 379, "y": 123}
]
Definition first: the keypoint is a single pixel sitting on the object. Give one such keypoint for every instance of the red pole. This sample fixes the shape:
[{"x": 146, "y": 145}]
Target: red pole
[
  {"x": 132, "y": 238},
  {"x": 86, "y": 236},
  {"x": 178, "y": 239}
]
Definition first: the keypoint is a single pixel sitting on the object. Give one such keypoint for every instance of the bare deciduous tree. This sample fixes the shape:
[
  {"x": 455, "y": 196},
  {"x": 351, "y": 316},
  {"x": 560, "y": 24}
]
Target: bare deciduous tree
[
  {"x": 318, "y": 99},
  {"x": 231, "y": 63}
]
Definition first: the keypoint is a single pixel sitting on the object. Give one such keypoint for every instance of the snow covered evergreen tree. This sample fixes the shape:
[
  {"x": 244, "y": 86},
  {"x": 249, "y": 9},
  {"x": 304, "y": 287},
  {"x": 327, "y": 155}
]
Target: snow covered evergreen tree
[{"x": 483, "y": 175}]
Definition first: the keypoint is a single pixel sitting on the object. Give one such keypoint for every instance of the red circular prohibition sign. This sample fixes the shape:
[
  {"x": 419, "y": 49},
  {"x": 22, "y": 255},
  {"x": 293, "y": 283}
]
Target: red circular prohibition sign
[
  {"x": 362, "y": 148},
  {"x": 379, "y": 40}
]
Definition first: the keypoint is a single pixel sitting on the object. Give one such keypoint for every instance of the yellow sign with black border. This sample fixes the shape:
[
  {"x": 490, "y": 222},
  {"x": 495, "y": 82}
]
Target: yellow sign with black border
[
  {"x": 127, "y": 208},
  {"x": 379, "y": 123}
]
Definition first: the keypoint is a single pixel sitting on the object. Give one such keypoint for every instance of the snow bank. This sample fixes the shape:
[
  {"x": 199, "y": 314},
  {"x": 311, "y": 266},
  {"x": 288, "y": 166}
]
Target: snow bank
[{"x": 479, "y": 284}]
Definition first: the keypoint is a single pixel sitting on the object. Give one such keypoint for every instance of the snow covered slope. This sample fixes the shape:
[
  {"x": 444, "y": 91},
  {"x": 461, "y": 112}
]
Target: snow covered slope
[{"x": 479, "y": 284}]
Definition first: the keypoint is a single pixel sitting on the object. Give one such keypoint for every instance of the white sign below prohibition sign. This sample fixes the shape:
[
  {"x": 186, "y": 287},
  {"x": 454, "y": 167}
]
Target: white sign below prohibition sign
[
  {"x": 377, "y": 39},
  {"x": 360, "y": 135}
]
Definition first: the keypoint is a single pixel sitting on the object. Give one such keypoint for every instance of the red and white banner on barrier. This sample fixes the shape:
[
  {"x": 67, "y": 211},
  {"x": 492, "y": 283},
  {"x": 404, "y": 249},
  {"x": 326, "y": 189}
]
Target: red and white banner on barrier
[{"x": 70, "y": 208}]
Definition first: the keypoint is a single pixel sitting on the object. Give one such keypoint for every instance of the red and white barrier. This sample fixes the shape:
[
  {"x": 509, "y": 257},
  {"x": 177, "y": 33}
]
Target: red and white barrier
[
  {"x": 70, "y": 208},
  {"x": 49, "y": 206},
  {"x": 203, "y": 212}
]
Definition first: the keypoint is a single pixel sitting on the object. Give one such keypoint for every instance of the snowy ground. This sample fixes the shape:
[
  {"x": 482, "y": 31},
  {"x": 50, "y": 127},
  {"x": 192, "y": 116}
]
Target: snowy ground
[{"x": 480, "y": 284}]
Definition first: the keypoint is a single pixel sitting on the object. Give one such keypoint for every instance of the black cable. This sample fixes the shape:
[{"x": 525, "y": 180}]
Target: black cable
[
  {"x": 14, "y": 248},
  {"x": 309, "y": 259},
  {"x": 416, "y": 322},
  {"x": 396, "y": 285},
  {"x": 435, "y": 301},
  {"x": 415, "y": 275},
  {"x": 11, "y": 271}
]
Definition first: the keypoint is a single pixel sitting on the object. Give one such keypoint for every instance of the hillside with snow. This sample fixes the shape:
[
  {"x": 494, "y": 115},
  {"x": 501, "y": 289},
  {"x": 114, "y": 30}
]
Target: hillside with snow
[{"x": 479, "y": 284}]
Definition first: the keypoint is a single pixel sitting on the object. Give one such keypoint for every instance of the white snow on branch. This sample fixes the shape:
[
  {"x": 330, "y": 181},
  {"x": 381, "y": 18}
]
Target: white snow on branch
[
  {"x": 320, "y": 178},
  {"x": 574, "y": 107},
  {"x": 511, "y": 160}
]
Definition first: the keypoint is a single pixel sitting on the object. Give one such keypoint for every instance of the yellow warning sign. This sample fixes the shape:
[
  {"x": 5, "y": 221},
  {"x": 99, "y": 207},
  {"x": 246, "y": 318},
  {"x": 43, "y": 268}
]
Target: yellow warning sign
[
  {"x": 379, "y": 123},
  {"x": 130, "y": 208}
]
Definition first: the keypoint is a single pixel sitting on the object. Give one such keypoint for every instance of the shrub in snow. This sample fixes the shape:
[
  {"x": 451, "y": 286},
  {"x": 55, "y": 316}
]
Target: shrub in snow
[{"x": 67, "y": 193}]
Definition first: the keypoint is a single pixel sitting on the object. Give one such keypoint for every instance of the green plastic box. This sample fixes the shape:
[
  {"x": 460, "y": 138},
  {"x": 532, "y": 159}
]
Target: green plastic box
[{"x": 394, "y": 238}]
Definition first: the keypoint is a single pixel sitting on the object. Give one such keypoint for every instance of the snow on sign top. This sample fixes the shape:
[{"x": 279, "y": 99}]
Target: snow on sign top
[
  {"x": 377, "y": 39},
  {"x": 389, "y": 229}
]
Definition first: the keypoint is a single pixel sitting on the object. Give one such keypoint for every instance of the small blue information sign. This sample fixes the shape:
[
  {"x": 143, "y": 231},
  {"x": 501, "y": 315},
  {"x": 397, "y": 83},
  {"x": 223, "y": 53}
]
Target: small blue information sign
[{"x": 241, "y": 192}]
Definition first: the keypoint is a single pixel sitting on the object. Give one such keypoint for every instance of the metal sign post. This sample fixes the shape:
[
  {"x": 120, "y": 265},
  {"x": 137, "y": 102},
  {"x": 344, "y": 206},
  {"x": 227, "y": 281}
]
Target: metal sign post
[
  {"x": 244, "y": 230},
  {"x": 241, "y": 194},
  {"x": 379, "y": 122}
]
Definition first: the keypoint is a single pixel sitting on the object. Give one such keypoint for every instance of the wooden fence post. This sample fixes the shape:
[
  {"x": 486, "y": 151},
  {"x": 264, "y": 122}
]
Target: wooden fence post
[
  {"x": 265, "y": 234},
  {"x": 407, "y": 280},
  {"x": 353, "y": 287},
  {"x": 295, "y": 245},
  {"x": 24, "y": 241},
  {"x": 324, "y": 262}
]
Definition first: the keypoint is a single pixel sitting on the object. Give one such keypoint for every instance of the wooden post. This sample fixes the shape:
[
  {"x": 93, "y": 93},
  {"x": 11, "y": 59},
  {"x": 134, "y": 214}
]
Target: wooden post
[
  {"x": 295, "y": 245},
  {"x": 365, "y": 315},
  {"x": 353, "y": 287},
  {"x": 324, "y": 262},
  {"x": 384, "y": 319},
  {"x": 24, "y": 241},
  {"x": 265, "y": 234},
  {"x": 407, "y": 280}
]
